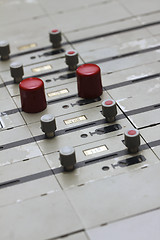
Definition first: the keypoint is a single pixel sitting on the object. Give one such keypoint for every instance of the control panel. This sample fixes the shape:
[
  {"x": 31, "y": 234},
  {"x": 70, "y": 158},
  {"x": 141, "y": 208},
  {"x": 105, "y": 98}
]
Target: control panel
[{"x": 79, "y": 119}]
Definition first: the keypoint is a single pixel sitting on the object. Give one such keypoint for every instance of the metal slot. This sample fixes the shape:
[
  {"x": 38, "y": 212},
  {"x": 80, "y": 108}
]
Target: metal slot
[
  {"x": 145, "y": 78},
  {"x": 126, "y": 55},
  {"x": 66, "y": 76},
  {"x": 51, "y": 53},
  {"x": 86, "y": 101},
  {"x": 129, "y": 161},
  {"x": 100, "y": 159},
  {"x": 62, "y": 99},
  {"x": 157, "y": 106},
  {"x": 79, "y": 127},
  {"x": 116, "y": 32},
  {"x": 107, "y": 129},
  {"x": 9, "y": 183}
]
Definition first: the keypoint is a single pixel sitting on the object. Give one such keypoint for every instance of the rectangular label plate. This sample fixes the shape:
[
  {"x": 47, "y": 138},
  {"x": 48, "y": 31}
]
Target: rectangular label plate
[
  {"x": 92, "y": 151},
  {"x": 27, "y": 46},
  {"x": 75, "y": 120},
  {"x": 42, "y": 68},
  {"x": 56, "y": 93}
]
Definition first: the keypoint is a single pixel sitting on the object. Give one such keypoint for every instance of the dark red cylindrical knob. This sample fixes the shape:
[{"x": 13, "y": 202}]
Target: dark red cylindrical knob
[
  {"x": 89, "y": 81},
  {"x": 33, "y": 98}
]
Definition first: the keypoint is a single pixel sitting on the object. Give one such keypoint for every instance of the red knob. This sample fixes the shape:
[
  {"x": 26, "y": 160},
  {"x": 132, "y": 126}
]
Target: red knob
[
  {"x": 33, "y": 98},
  {"x": 89, "y": 81}
]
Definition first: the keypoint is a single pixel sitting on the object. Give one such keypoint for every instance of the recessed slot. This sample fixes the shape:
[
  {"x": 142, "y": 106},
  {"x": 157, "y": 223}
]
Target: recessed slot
[
  {"x": 79, "y": 127},
  {"x": 86, "y": 101},
  {"x": 107, "y": 129},
  {"x": 129, "y": 161},
  {"x": 54, "y": 52},
  {"x": 67, "y": 76},
  {"x": 99, "y": 159},
  {"x": 9, "y": 183},
  {"x": 157, "y": 106}
]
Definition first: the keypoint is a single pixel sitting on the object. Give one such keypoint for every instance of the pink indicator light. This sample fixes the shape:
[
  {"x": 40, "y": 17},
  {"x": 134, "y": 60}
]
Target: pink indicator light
[
  {"x": 109, "y": 102},
  {"x": 132, "y": 132},
  {"x": 55, "y": 30},
  {"x": 71, "y": 52}
]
